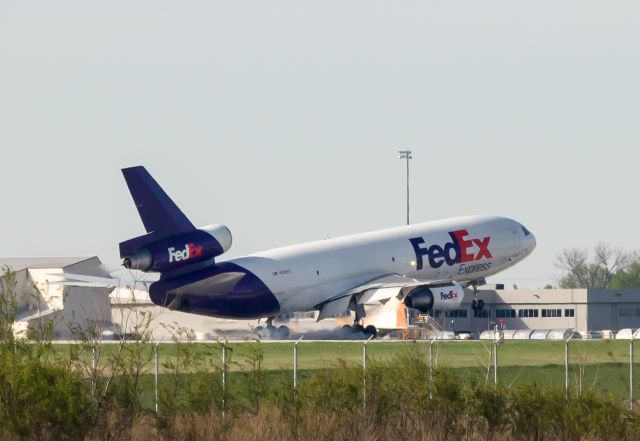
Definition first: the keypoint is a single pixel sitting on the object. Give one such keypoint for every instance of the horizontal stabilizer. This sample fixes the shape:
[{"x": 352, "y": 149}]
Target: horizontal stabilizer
[{"x": 83, "y": 280}]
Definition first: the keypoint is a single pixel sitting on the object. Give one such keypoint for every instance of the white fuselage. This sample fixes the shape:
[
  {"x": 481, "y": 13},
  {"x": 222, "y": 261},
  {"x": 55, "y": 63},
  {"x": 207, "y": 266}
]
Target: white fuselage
[{"x": 303, "y": 276}]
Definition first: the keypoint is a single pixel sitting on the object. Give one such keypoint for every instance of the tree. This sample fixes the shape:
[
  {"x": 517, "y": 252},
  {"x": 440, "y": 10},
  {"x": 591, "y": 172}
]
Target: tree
[
  {"x": 628, "y": 278},
  {"x": 583, "y": 272}
]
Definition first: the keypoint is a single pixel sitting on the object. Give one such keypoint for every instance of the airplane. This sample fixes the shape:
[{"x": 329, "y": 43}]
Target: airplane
[{"x": 423, "y": 267}]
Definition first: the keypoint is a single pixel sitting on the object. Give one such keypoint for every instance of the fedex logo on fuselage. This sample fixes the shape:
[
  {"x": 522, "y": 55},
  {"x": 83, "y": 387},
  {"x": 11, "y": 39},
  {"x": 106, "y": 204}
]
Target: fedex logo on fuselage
[
  {"x": 189, "y": 252},
  {"x": 459, "y": 250},
  {"x": 451, "y": 295}
]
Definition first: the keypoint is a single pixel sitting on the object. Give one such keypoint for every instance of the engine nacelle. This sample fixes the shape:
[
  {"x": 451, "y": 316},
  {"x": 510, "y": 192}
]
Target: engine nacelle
[
  {"x": 420, "y": 298},
  {"x": 442, "y": 296},
  {"x": 173, "y": 252}
]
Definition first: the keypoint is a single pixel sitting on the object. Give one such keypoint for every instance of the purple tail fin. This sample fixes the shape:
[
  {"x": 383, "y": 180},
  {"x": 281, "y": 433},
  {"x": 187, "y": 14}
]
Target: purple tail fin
[
  {"x": 157, "y": 211},
  {"x": 160, "y": 215}
]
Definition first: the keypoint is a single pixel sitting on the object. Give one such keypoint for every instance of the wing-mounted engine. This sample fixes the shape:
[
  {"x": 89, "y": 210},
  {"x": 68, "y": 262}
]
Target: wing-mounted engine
[
  {"x": 382, "y": 303},
  {"x": 439, "y": 296},
  {"x": 146, "y": 254}
]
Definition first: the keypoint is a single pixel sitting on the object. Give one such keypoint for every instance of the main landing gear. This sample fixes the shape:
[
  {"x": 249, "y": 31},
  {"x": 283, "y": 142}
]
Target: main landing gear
[
  {"x": 359, "y": 331},
  {"x": 272, "y": 332},
  {"x": 476, "y": 304}
]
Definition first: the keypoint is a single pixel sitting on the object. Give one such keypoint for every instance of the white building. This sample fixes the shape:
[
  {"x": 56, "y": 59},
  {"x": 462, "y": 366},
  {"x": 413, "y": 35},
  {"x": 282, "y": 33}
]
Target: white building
[
  {"x": 41, "y": 295},
  {"x": 579, "y": 309}
]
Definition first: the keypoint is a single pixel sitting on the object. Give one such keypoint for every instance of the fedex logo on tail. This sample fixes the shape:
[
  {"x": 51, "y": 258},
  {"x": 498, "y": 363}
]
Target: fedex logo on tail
[
  {"x": 189, "y": 252},
  {"x": 458, "y": 250}
]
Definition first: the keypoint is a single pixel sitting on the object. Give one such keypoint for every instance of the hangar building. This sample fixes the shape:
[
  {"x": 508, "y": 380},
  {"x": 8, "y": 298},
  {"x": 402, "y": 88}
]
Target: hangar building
[
  {"x": 580, "y": 309},
  {"x": 41, "y": 295}
]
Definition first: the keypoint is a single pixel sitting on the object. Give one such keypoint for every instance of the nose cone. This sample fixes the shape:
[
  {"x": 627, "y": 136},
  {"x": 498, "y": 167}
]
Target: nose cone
[{"x": 529, "y": 240}]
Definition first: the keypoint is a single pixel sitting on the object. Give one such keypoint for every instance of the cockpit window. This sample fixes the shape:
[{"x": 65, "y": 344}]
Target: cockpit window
[{"x": 525, "y": 231}]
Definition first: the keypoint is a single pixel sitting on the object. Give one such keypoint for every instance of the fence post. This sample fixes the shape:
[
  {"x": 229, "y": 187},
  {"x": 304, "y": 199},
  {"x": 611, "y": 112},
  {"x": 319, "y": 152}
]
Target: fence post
[
  {"x": 633, "y": 334},
  {"x": 224, "y": 377},
  {"x": 497, "y": 339},
  {"x": 295, "y": 365},
  {"x": 157, "y": 373},
  {"x": 566, "y": 367},
  {"x": 433, "y": 338},
  {"x": 94, "y": 367},
  {"x": 364, "y": 374},
  {"x": 495, "y": 359}
]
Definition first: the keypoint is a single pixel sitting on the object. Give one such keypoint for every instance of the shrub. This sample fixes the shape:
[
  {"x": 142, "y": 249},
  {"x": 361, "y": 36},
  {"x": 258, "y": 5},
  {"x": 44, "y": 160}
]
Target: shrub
[{"x": 39, "y": 401}]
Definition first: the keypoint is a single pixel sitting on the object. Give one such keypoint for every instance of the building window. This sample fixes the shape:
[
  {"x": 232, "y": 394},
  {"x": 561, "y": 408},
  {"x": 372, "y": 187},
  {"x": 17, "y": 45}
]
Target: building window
[
  {"x": 456, "y": 313},
  {"x": 505, "y": 313},
  {"x": 629, "y": 311},
  {"x": 438, "y": 314},
  {"x": 624, "y": 312},
  {"x": 551, "y": 313},
  {"x": 527, "y": 313},
  {"x": 481, "y": 313},
  {"x": 569, "y": 312}
]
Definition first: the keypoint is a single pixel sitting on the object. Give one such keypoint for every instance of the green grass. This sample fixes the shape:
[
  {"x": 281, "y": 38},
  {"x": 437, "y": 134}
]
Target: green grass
[
  {"x": 454, "y": 354},
  {"x": 451, "y": 354},
  {"x": 600, "y": 366}
]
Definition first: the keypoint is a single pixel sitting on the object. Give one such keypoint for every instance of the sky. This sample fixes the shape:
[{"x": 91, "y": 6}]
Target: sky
[{"x": 282, "y": 119}]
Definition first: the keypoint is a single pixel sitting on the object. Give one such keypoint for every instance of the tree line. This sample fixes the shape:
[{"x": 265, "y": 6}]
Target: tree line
[{"x": 605, "y": 267}]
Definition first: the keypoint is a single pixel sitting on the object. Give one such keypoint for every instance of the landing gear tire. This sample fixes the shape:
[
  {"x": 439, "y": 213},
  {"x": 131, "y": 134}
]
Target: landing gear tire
[
  {"x": 370, "y": 331},
  {"x": 477, "y": 304},
  {"x": 357, "y": 329},
  {"x": 343, "y": 332},
  {"x": 281, "y": 333},
  {"x": 266, "y": 332}
]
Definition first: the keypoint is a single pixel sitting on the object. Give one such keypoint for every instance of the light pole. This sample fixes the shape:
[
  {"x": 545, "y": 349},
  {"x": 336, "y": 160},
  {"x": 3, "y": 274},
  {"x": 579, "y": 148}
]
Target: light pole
[{"x": 406, "y": 154}]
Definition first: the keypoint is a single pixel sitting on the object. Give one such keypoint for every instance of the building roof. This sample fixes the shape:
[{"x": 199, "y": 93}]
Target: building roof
[
  {"x": 20, "y": 263},
  {"x": 518, "y": 297}
]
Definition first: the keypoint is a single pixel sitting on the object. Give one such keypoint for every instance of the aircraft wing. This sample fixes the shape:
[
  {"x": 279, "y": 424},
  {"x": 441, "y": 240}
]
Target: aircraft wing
[{"x": 376, "y": 292}]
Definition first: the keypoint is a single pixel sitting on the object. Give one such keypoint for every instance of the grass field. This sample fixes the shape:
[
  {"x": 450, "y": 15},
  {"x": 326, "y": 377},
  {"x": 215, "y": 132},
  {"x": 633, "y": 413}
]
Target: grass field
[
  {"x": 334, "y": 399},
  {"x": 598, "y": 365},
  {"x": 454, "y": 354}
]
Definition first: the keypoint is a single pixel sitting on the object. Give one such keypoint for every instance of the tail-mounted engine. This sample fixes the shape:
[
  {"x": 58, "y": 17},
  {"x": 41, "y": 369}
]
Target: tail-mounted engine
[
  {"x": 146, "y": 254},
  {"x": 441, "y": 296}
]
